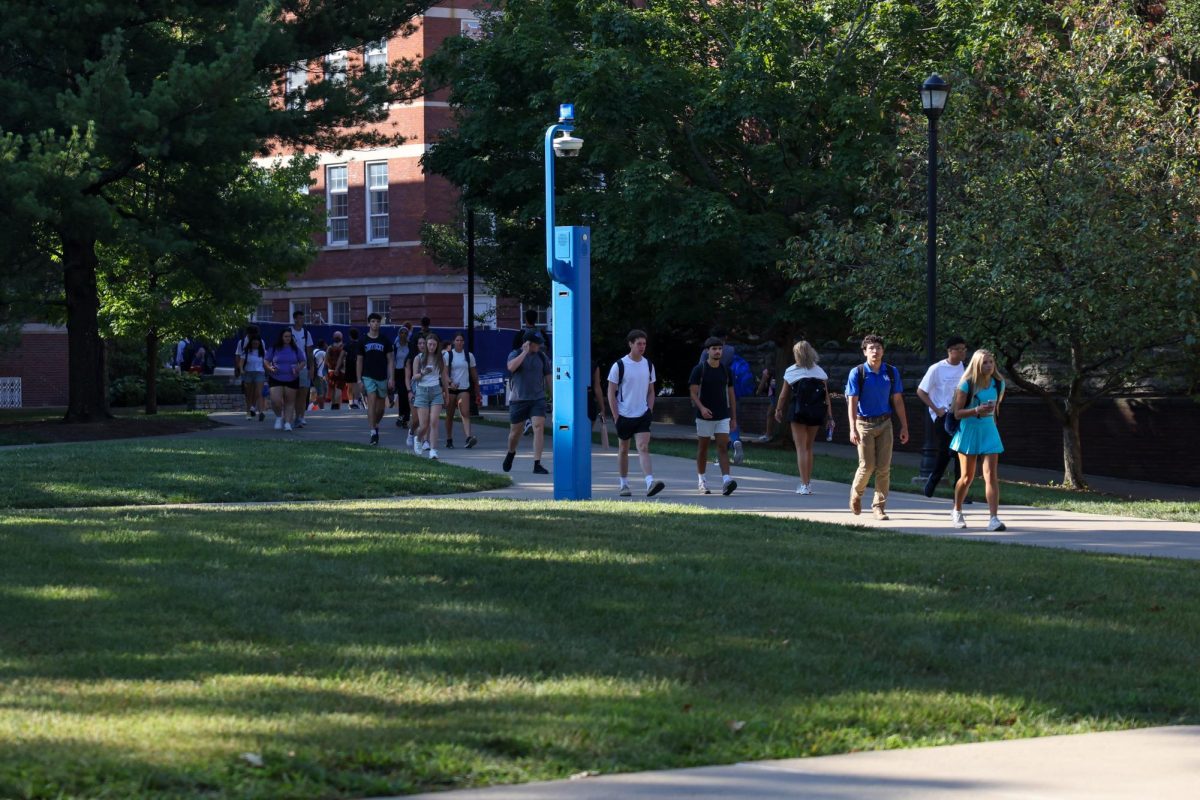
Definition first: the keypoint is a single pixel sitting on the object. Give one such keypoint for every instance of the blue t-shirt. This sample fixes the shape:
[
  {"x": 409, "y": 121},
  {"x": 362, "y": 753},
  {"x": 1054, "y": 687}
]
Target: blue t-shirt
[{"x": 875, "y": 396}]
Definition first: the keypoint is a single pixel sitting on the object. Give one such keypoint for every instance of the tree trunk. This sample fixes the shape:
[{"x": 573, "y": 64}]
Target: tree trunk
[
  {"x": 1073, "y": 451},
  {"x": 152, "y": 371},
  {"x": 87, "y": 397}
]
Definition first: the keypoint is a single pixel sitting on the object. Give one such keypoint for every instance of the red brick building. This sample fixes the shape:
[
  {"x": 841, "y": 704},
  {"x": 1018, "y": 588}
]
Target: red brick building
[
  {"x": 375, "y": 203},
  {"x": 34, "y": 373}
]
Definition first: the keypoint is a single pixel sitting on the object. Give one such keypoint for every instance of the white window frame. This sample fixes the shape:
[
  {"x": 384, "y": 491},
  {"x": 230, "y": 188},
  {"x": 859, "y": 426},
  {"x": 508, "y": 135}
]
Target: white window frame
[
  {"x": 545, "y": 319},
  {"x": 300, "y": 305},
  {"x": 381, "y": 306},
  {"x": 332, "y": 317},
  {"x": 336, "y": 65},
  {"x": 269, "y": 306},
  {"x": 377, "y": 193},
  {"x": 375, "y": 54},
  {"x": 343, "y": 193},
  {"x": 485, "y": 306},
  {"x": 296, "y": 81}
]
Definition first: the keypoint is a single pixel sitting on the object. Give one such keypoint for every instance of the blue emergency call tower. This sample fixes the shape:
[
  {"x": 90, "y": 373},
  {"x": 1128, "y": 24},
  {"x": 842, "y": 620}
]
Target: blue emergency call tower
[{"x": 568, "y": 262}]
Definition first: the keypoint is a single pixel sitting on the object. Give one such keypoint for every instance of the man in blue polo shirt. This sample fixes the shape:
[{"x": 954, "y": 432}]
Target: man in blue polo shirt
[{"x": 873, "y": 394}]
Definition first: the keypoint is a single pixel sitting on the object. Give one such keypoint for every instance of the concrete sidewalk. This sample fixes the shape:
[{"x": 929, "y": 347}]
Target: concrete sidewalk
[
  {"x": 1158, "y": 763},
  {"x": 767, "y": 493}
]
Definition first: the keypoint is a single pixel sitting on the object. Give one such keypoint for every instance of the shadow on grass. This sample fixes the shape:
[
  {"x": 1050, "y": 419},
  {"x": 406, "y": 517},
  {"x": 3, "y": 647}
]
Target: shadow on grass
[{"x": 452, "y": 642}]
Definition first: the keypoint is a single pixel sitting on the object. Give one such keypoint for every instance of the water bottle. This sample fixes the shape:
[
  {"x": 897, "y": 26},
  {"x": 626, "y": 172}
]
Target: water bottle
[{"x": 829, "y": 431}]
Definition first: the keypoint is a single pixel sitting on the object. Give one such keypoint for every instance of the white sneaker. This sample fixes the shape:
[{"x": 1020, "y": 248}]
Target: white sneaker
[
  {"x": 409, "y": 440},
  {"x": 800, "y": 487},
  {"x": 425, "y": 445},
  {"x": 287, "y": 426},
  {"x": 805, "y": 489},
  {"x": 279, "y": 423},
  {"x": 702, "y": 487},
  {"x": 432, "y": 454},
  {"x": 625, "y": 491},
  {"x": 994, "y": 524},
  {"x": 417, "y": 446},
  {"x": 956, "y": 519},
  {"x": 738, "y": 455}
]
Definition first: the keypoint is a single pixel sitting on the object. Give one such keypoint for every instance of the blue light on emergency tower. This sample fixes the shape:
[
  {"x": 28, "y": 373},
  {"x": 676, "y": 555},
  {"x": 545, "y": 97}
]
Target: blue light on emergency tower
[{"x": 568, "y": 262}]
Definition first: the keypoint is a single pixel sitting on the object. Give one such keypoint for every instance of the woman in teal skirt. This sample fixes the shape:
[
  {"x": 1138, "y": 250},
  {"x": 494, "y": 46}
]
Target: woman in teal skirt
[{"x": 976, "y": 403}]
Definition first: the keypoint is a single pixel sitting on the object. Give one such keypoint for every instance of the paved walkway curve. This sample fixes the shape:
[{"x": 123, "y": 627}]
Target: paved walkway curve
[
  {"x": 768, "y": 493},
  {"x": 1158, "y": 763}
]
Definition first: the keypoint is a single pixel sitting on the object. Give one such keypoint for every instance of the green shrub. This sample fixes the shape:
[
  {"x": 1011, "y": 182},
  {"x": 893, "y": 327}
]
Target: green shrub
[{"x": 174, "y": 389}]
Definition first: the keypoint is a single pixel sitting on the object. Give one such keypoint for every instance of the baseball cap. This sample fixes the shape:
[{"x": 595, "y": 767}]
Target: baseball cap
[{"x": 532, "y": 336}]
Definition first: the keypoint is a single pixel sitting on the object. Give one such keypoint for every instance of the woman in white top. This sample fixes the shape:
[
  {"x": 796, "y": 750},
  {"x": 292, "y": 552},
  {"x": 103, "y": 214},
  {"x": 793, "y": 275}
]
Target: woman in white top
[
  {"x": 464, "y": 382},
  {"x": 429, "y": 384},
  {"x": 254, "y": 374},
  {"x": 808, "y": 385}
]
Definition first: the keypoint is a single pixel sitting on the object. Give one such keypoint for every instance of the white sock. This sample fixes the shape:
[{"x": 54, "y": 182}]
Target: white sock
[
  {"x": 649, "y": 481},
  {"x": 700, "y": 477},
  {"x": 624, "y": 483},
  {"x": 726, "y": 478}
]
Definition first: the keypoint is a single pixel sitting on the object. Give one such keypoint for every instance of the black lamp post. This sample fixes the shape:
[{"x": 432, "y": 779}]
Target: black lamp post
[{"x": 934, "y": 92}]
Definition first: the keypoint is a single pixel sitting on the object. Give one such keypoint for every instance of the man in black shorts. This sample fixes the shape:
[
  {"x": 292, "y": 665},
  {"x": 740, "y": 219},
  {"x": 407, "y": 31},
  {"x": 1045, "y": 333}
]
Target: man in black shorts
[
  {"x": 530, "y": 370},
  {"x": 631, "y": 398}
]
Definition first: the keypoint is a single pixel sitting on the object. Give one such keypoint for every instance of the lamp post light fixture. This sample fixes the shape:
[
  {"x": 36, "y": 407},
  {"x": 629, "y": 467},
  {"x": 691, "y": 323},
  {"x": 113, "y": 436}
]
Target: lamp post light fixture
[
  {"x": 934, "y": 93},
  {"x": 568, "y": 262}
]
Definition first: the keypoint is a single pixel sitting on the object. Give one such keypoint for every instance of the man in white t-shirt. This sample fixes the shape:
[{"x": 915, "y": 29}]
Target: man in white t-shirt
[
  {"x": 304, "y": 341},
  {"x": 631, "y": 398},
  {"x": 936, "y": 391}
]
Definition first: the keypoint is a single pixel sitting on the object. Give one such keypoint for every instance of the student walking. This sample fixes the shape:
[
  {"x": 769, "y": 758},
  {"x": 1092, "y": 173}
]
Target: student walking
[
  {"x": 873, "y": 394},
  {"x": 376, "y": 366},
  {"x": 936, "y": 391},
  {"x": 464, "y": 382},
  {"x": 320, "y": 378},
  {"x": 283, "y": 364},
  {"x": 403, "y": 409},
  {"x": 530, "y": 370},
  {"x": 804, "y": 400},
  {"x": 631, "y": 397},
  {"x": 351, "y": 366},
  {"x": 335, "y": 371},
  {"x": 304, "y": 341},
  {"x": 767, "y": 386},
  {"x": 976, "y": 404},
  {"x": 254, "y": 374},
  {"x": 429, "y": 394},
  {"x": 711, "y": 389}
]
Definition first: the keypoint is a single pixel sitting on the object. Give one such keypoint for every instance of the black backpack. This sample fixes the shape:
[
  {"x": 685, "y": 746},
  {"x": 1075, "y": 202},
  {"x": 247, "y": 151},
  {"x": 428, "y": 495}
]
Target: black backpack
[{"x": 810, "y": 399}]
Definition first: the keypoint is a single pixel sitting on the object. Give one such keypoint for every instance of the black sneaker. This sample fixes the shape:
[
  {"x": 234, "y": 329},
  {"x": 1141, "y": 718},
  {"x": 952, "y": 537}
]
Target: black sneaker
[
  {"x": 374, "y": 437},
  {"x": 399, "y": 422},
  {"x": 261, "y": 416},
  {"x": 471, "y": 442},
  {"x": 930, "y": 486},
  {"x": 450, "y": 443},
  {"x": 508, "y": 459},
  {"x": 538, "y": 469},
  {"x": 728, "y": 488},
  {"x": 655, "y": 488}
]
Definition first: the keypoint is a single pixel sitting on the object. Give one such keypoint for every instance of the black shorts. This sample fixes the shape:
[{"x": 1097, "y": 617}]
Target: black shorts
[
  {"x": 804, "y": 419},
  {"x": 521, "y": 410},
  {"x": 294, "y": 383},
  {"x": 628, "y": 426}
]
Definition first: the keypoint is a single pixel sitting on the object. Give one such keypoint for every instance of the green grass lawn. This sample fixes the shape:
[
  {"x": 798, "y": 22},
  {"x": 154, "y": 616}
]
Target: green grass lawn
[
  {"x": 833, "y": 468},
  {"x": 381, "y": 647},
  {"x": 151, "y": 471}
]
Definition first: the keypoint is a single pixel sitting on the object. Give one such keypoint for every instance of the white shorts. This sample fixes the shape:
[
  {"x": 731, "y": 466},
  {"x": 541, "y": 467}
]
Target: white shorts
[{"x": 705, "y": 428}]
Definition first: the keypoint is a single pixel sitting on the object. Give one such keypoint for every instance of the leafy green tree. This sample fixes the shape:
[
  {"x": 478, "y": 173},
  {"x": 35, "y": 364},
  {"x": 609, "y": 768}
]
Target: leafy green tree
[
  {"x": 100, "y": 95},
  {"x": 708, "y": 126},
  {"x": 1068, "y": 223}
]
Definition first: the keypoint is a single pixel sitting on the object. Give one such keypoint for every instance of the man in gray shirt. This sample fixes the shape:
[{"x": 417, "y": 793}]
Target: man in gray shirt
[{"x": 530, "y": 370}]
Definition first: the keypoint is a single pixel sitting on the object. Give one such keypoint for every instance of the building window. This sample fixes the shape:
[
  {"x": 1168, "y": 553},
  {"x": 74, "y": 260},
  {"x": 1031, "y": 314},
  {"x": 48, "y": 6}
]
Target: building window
[
  {"x": 545, "y": 316},
  {"x": 304, "y": 306},
  {"x": 297, "y": 82},
  {"x": 377, "y": 202},
  {"x": 339, "y": 312},
  {"x": 335, "y": 66},
  {"x": 381, "y": 306},
  {"x": 375, "y": 55},
  {"x": 265, "y": 312},
  {"x": 485, "y": 312},
  {"x": 337, "y": 203}
]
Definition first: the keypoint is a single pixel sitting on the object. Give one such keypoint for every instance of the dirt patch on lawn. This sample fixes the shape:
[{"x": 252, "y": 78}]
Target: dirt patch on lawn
[{"x": 54, "y": 431}]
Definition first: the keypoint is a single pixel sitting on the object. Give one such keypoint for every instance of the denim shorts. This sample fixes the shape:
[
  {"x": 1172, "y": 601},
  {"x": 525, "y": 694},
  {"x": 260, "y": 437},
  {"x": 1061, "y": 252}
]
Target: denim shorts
[
  {"x": 426, "y": 396},
  {"x": 257, "y": 376}
]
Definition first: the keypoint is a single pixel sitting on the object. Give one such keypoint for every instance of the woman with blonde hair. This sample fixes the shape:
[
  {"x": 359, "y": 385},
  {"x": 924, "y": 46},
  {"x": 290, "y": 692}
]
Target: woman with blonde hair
[
  {"x": 429, "y": 384},
  {"x": 804, "y": 398},
  {"x": 976, "y": 405}
]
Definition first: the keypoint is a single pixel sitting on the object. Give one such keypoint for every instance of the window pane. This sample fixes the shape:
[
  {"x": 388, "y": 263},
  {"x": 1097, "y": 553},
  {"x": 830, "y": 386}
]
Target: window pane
[
  {"x": 339, "y": 205},
  {"x": 379, "y": 228},
  {"x": 377, "y": 176},
  {"x": 379, "y": 203},
  {"x": 339, "y": 230},
  {"x": 337, "y": 179}
]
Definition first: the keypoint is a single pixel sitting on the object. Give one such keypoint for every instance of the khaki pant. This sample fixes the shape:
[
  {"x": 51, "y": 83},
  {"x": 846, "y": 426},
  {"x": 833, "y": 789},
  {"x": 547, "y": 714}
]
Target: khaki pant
[{"x": 874, "y": 456}]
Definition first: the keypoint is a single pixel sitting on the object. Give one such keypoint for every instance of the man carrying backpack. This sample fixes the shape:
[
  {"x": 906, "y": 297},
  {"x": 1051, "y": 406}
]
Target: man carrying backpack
[
  {"x": 711, "y": 388},
  {"x": 631, "y": 398},
  {"x": 873, "y": 393}
]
